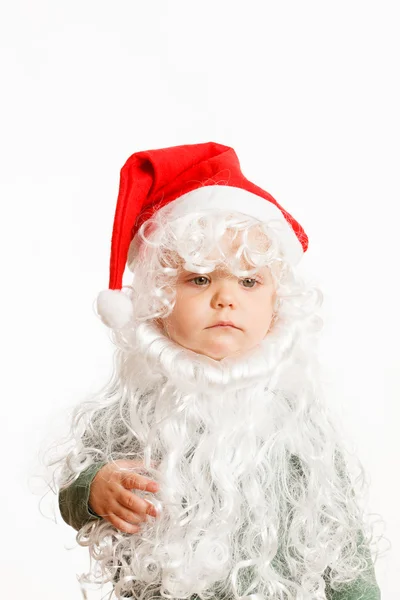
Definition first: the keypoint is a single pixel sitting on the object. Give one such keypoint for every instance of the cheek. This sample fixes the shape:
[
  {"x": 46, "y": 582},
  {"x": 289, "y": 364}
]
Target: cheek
[
  {"x": 261, "y": 311},
  {"x": 188, "y": 301},
  {"x": 187, "y": 311}
]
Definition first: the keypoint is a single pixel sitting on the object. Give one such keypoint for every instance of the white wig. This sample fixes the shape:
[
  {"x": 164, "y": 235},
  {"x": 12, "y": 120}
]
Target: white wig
[{"x": 255, "y": 491}]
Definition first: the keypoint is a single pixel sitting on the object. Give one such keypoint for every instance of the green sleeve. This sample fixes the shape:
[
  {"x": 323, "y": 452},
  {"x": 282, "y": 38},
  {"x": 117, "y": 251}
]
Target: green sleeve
[
  {"x": 74, "y": 499},
  {"x": 363, "y": 588},
  {"x": 357, "y": 590}
]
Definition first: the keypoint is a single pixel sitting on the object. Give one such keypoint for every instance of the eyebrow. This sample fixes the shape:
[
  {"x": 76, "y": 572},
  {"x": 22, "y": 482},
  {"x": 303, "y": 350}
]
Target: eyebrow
[{"x": 220, "y": 270}]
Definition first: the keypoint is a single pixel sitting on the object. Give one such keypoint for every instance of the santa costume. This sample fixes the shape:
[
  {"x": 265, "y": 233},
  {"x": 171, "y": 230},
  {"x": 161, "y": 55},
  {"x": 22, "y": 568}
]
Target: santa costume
[{"x": 255, "y": 499}]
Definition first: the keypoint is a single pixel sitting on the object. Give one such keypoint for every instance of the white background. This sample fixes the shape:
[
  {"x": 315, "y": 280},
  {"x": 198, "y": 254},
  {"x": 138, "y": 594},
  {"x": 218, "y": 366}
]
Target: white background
[{"x": 308, "y": 95}]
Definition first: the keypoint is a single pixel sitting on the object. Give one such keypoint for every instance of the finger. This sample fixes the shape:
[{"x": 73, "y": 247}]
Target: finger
[
  {"x": 122, "y": 525},
  {"x": 135, "y": 504},
  {"x": 130, "y": 517},
  {"x": 138, "y": 482}
]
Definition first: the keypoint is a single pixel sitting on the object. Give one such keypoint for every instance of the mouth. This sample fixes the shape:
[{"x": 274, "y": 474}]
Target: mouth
[{"x": 225, "y": 324}]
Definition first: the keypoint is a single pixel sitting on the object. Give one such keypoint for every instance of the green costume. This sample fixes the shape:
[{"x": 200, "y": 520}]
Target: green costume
[{"x": 75, "y": 510}]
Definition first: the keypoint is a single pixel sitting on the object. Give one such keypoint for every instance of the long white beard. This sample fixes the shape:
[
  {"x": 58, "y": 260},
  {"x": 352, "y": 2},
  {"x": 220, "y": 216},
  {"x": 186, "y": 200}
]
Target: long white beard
[{"x": 224, "y": 435}]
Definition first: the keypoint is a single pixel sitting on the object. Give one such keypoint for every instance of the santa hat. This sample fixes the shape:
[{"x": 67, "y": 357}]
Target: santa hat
[{"x": 186, "y": 178}]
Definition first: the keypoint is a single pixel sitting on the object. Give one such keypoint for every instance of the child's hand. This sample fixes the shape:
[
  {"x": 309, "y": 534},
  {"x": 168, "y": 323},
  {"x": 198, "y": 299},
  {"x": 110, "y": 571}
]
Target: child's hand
[{"x": 110, "y": 496}]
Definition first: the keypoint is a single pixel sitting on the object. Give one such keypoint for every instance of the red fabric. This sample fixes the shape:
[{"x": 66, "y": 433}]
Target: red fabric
[{"x": 152, "y": 178}]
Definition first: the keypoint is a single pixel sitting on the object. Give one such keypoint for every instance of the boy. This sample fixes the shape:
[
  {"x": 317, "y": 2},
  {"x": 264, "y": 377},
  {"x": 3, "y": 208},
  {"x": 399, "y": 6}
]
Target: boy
[{"x": 216, "y": 396}]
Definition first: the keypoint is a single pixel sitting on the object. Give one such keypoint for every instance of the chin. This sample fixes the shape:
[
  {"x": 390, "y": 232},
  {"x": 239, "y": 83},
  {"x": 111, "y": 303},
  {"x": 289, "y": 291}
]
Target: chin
[{"x": 221, "y": 355}]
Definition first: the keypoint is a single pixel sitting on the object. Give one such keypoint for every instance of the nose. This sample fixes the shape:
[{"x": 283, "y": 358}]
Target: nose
[{"x": 224, "y": 295}]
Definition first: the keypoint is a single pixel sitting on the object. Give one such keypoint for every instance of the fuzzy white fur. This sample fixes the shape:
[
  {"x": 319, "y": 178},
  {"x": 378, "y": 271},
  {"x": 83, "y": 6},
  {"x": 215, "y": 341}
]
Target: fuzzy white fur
[{"x": 114, "y": 308}]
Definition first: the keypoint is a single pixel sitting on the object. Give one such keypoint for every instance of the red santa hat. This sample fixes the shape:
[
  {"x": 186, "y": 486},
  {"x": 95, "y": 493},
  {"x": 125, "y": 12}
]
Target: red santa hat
[{"x": 186, "y": 178}]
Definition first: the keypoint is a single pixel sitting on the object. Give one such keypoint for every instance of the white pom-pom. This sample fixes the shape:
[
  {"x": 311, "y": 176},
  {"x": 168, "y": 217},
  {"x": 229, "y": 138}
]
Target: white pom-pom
[{"x": 114, "y": 308}]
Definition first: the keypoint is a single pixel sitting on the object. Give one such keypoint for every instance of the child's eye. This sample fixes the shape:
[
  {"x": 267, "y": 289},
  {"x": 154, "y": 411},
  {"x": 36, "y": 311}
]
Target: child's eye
[
  {"x": 251, "y": 281},
  {"x": 201, "y": 280},
  {"x": 201, "y": 277}
]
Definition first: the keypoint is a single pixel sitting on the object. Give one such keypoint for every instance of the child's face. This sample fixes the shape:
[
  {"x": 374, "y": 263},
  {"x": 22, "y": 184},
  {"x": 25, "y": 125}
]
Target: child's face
[{"x": 204, "y": 300}]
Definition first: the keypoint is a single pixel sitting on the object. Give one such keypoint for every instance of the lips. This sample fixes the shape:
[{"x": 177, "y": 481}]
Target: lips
[{"x": 224, "y": 324}]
